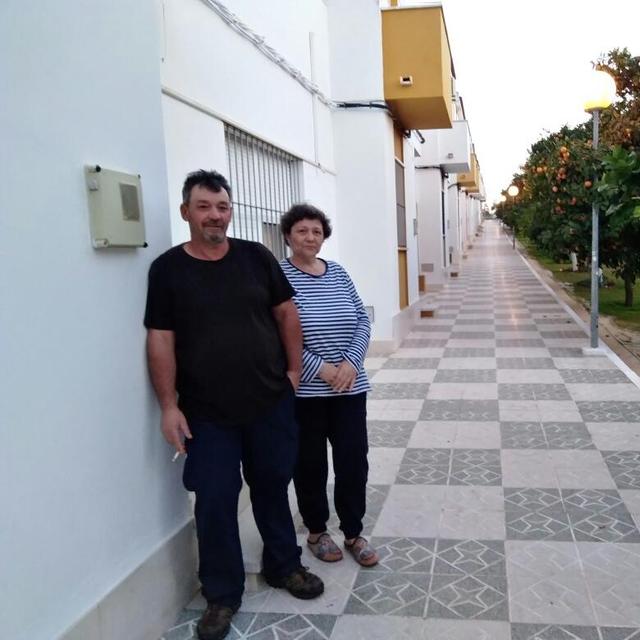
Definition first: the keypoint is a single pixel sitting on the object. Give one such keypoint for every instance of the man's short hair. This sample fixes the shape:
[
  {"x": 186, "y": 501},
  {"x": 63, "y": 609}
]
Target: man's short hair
[
  {"x": 304, "y": 212},
  {"x": 211, "y": 180}
]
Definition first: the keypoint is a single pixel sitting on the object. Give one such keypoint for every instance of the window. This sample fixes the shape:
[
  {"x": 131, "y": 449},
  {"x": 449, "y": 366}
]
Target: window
[{"x": 265, "y": 182}]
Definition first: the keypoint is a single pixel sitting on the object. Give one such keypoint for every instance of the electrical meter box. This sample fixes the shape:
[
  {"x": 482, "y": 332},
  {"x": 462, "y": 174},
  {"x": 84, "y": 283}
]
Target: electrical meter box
[{"x": 115, "y": 208}]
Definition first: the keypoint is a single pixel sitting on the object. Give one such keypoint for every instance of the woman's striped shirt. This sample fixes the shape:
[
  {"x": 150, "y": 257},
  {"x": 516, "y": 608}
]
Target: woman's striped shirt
[{"x": 335, "y": 326}]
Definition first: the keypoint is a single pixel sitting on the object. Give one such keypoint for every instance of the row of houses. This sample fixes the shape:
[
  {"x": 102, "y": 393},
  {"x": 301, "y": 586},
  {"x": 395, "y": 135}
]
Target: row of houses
[{"x": 346, "y": 104}]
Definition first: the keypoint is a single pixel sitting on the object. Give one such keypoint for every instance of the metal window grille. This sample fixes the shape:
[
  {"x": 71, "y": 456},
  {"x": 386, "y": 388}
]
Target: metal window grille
[{"x": 265, "y": 182}]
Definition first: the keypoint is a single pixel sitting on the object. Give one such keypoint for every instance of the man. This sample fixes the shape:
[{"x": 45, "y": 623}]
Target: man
[{"x": 225, "y": 354}]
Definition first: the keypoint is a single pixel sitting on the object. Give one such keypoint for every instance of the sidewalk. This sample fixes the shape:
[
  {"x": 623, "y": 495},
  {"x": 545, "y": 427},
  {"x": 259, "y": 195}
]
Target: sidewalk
[{"x": 504, "y": 491}]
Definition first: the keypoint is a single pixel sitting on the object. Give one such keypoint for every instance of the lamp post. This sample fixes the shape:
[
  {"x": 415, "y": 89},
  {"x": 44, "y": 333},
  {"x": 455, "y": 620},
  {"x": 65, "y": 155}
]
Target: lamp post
[
  {"x": 513, "y": 191},
  {"x": 602, "y": 91}
]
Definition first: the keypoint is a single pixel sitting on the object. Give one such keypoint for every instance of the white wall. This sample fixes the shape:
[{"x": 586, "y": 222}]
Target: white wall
[
  {"x": 413, "y": 266},
  {"x": 193, "y": 140},
  {"x": 87, "y": 487},
  {"x": 207, "y": 62},
  {"x": 365, "y": 196},
  {"x": 428, "y": 181}
]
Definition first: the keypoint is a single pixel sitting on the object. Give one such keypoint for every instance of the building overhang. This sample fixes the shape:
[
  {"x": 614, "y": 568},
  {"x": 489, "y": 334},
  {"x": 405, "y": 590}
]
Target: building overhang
[{"x": 417, "y": 64}]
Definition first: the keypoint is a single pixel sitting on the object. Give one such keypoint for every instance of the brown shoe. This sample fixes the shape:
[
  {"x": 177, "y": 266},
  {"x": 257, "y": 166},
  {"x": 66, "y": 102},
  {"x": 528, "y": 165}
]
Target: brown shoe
[
  {"x": 215, "y": 622},
  {"x": 363, "y": 553},
  {"x": 325, "y": 549},
  {"x": 300, "y": 583}
]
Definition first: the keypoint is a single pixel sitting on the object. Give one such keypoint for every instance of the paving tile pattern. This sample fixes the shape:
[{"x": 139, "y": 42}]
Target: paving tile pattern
[{"x": 504, "y": 493}]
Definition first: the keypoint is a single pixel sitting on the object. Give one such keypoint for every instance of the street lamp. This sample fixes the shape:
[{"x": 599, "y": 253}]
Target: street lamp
[
  {"x": 600, "y": 95},
  {"x": 513, "y": 191}
]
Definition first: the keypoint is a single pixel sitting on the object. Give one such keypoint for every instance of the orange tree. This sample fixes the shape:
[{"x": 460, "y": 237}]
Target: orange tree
[
  {"x": 620, "y": 188},
  {"x": 621, "y": 122},
  {"x": 558, "y": 191}
]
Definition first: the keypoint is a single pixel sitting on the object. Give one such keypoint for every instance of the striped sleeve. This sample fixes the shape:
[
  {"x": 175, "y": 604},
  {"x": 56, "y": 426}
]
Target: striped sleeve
[
  {"x": 357, "y": 350},
  {"x": 311, "y": 363}
]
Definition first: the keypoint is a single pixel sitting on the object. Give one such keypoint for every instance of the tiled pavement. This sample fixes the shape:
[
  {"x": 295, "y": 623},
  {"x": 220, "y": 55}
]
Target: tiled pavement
[{"x": 504, "y": 488}]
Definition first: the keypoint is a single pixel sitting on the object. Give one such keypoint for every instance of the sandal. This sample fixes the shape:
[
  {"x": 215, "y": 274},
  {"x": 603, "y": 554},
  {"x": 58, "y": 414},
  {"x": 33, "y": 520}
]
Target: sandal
[
  {"x": 363, "y": 553},
  {"x": 325, "y": 549}
]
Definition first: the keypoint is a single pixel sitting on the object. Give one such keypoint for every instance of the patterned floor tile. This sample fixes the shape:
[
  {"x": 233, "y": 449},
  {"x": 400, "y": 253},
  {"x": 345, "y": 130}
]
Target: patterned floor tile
[
  {"x": 624, "y": 467},
  {"x": 425, "y": 466},
  {"x": 411, "y": 363},
  {"x": 415, "y": 342},
  {"x": 465, "y": 375},
  {"x": 522, "y": 435},
  {"x": 533, "y": 392},
  {"x": 389, "y": 593},
  {"x": 398, "y": 390},
  {"x": 610, "y": 411},
  {"x": 389, "y": 434},
  {"x": 599, "y": 516},
  {"x": 469, "y": 352},
  {"x": 476, "y": 467},
  {"x": 597, "y": 376},
  {"x": 469, "y": 410},
  {"x": 536, "y": 514},
  {"x": 265, "y": 626},
  {"x": 525, "y": 363},
  {"x": 397, "y": 376},
  {"x": 620, "y": 633},
  {"x": 405, "y": 555},
  {"x": 469, "y": 580},
  {"x": 521, "y": 631}
]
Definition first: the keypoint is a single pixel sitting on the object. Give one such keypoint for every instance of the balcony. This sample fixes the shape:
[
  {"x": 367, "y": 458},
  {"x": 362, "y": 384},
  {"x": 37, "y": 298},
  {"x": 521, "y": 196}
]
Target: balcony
[
  {"x": 448, "y": 148},
  {"x": 417, "y": 67},
  {"x": 470, "y": 180}
]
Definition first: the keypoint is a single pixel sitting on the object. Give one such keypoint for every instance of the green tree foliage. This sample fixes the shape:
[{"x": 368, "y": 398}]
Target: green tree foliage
[{"x": 620, "y": 187}]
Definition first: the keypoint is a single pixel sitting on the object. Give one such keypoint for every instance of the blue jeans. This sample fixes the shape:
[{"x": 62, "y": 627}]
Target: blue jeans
[{"x": 267, "y": 450}]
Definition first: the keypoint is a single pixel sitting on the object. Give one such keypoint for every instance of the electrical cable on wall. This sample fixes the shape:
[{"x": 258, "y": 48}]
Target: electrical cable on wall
[{"x": 259, "y": 42}]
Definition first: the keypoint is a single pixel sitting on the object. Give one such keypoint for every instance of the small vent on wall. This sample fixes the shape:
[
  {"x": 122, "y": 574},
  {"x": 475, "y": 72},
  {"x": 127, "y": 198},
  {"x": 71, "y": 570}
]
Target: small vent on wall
[
  {"x": 427, "y": 267},
  {"x": 130, "y": 202}
]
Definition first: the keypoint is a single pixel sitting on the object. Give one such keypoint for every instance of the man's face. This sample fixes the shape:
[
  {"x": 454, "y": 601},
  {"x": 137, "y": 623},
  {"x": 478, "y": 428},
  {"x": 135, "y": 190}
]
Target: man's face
[{"x": 208, "y": 214}]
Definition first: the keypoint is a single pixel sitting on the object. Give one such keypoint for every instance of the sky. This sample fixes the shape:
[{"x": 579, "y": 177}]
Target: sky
[{"x": 521, "y": 66}]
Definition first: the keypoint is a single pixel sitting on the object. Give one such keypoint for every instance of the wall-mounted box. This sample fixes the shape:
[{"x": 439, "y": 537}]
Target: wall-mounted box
[
  {"x": 417, "y": 66},
  {"x": 115, "y": 208},
  {"x": 448, "y": 148}
]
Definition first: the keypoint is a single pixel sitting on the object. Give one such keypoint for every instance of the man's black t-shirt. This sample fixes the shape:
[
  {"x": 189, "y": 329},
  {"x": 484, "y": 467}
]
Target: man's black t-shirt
[{"x": 231, "y": 365}]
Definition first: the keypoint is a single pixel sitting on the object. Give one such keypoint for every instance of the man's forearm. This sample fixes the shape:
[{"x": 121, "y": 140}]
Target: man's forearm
[
  {"x": 162, "y": 366},
  {"x": 288, "y": 321}
]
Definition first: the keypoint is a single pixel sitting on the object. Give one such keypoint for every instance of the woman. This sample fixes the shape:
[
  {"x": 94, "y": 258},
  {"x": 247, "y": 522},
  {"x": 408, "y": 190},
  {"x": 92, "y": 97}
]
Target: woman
[{"x": 331, "y": 399}]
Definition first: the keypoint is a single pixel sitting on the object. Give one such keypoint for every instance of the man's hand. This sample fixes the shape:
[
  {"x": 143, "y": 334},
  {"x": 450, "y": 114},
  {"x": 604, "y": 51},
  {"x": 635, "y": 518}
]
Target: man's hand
[
  {"x": 175, "y": 428},
  {"x": 294, "y": 379},
  {"x": 345, "y": 377}
]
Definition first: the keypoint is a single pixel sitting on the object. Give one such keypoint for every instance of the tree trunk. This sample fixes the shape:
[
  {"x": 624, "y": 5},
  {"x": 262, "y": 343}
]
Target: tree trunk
[{"x": 628, "y": 291}]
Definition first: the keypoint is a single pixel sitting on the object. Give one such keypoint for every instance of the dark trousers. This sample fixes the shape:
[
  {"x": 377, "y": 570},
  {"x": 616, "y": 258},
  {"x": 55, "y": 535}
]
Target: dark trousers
[
  {"x": 267, "y": 449},
  {"x": 342, "y": 420}
]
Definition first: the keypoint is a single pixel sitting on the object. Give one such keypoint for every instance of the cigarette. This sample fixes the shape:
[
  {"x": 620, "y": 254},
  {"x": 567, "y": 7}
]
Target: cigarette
[{"x": 176, "y": 455}]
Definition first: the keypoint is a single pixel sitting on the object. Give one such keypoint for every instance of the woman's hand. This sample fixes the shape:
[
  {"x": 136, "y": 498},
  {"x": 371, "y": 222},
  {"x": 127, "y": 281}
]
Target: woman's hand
[
  {"x": 345, "y": 377},
  {"x": 328, "y": 373}
]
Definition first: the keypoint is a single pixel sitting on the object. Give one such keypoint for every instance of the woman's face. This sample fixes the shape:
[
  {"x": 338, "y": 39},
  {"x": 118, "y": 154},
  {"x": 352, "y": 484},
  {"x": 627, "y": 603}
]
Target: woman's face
[{"x": 306, "y": 238}]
